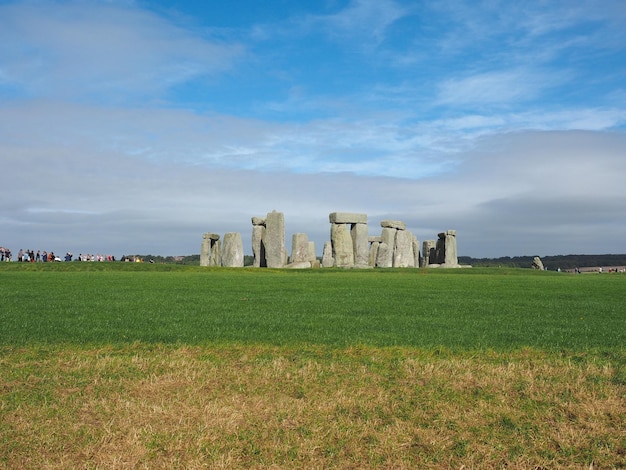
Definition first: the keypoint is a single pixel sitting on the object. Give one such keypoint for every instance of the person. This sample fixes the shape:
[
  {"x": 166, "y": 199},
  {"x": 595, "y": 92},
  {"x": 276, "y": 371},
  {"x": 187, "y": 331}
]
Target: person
[{"x": 20, "y": 255}]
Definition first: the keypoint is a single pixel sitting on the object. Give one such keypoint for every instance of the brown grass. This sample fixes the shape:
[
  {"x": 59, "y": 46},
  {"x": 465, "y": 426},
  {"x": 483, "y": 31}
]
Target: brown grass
[{"x": 265, "y": 407}]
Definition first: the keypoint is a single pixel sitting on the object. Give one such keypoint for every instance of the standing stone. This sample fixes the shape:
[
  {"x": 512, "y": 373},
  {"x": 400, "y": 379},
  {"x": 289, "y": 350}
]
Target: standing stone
[
  {"x": 385, "y": 256},
  {"x": 537, "y": 263},
  {"x": 440, "y": 249},
  {"x": 343, "y": 249},
  {"x": 232, "y": 254},
  {"x": 299, "y": 248},
  {"x": 327, "y": 256},
  {"x": 312, "y": 256},
  {"x": 451, "y": 258},
  {"x": 216, "y": 254},
  {"x": 417, "y": 262},
  {"x": 373, "y": 253},
  {"x": 274, "y": 241},
  {"x": 205, "y": 250},
  {"x": 360, "y": 245},
  {"x": 403, "y": 250},
  {"x": 210, "y": 243},
  {"x": 428, "y": 253},
  {"x": 258, "y": 249}
]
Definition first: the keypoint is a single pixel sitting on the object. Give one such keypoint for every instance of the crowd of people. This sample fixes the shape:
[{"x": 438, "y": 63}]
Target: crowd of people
[{"x": 29, "y": 256}]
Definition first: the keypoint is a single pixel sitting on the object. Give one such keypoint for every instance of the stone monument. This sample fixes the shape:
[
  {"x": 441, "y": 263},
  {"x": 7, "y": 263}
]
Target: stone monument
[
  {"x": 210, "y": 250},
  {"x": 429, "y": 255},
  {"x": 348, "y": 237},
  {"x": 537, "y": 263},
  {"x": 258, "y": 248},
  {"x": 232, "y": 250},
  {"x": 273, "y": 240}
]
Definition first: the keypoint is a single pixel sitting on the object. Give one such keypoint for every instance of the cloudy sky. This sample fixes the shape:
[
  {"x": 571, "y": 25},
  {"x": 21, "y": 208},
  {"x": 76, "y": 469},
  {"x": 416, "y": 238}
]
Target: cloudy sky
[{"x": 136, "y": 126}]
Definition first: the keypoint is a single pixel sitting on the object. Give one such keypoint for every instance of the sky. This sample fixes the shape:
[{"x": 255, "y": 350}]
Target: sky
[{"x": 136, "y": 126}]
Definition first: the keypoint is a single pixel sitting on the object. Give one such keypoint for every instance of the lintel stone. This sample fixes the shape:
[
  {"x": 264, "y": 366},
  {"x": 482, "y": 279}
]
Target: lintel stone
[
  {"x": 347, "y": 218},
  {"x": 397, "y": 224}
]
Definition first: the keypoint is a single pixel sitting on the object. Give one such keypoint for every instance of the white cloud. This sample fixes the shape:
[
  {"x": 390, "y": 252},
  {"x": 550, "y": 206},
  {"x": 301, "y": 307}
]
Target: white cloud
[
  {"x": 102, "y": 51},
  {"x": 364, "y": 18},
  {"x": 499, "y": 87},
  {"x": 511, "y": 193}
]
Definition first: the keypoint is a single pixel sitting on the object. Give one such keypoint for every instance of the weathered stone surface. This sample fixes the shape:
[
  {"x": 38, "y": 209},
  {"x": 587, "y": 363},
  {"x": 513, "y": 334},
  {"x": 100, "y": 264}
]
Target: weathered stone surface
[
  {"x": 327, "y": 256},
  {"x": 343, "y": 248},
  {"x": 385, "y": 256},
  {"x": 450, "y": 258},
  {"x": 216, "y": 253},
  {"x": 312, "y": 256},
  {"x": 207, "y": 249},
  {"x": 347, "y": 218},
  {"x": 258, "y": 248},
  {"x": 232, "y": 250},
  {"x": 417, "y": 260},
  {"x": 299, "y": 248},
  {"x": 274, "y": 241},
  {"x": 537, "y": 263},
  {"x": 373, "y": 239},
  {"x": 258, "y": 221},
  {"x": 360, "y": 245},
  {"x": 373, "y": 253},
  {"x": 428, "y": 253},
  {"x": 440, "y": 248},
  {"x": 445, "y": 251},
  {"x": 397, "y": 224},
  {"x": 403, "y": 250}
]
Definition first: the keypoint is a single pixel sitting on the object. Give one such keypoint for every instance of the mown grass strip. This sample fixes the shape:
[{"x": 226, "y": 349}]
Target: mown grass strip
[{"x": 457, "y": 309}]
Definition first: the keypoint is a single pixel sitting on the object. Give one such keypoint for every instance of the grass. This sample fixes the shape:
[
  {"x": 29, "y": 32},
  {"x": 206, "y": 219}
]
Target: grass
[
  {"x": 146, "y": 366},
  {"x": 475, "y": 309}
]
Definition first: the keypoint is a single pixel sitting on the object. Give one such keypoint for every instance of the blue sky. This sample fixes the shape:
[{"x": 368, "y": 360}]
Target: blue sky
[{"x": 134, "y": 127}]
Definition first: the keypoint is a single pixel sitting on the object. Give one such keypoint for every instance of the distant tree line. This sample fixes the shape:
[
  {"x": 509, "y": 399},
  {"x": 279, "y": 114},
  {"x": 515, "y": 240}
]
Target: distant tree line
[{"x": 550, "y": 262}]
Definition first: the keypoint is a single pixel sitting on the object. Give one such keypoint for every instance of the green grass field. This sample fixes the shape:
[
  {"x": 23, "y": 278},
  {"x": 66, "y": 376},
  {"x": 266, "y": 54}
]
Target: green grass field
[{"x": 118, "y": 365}]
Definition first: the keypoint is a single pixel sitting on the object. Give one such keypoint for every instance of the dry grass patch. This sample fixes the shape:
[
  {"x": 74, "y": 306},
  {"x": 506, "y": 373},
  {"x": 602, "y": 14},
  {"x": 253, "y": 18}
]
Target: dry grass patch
[{"x": 146, "y": 406}]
